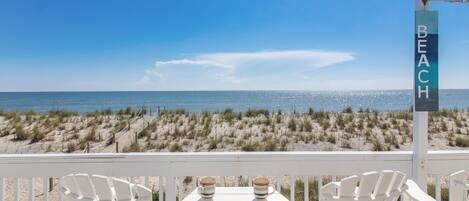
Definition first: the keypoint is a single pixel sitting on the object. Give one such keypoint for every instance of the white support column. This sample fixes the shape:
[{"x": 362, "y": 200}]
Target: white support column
[
  {"x": 420, "y": 134},
  {"x": 420, "y": 143}
]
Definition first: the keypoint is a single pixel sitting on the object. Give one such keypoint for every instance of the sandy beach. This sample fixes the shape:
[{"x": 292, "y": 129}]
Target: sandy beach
[{"x": 253, "y": 130}]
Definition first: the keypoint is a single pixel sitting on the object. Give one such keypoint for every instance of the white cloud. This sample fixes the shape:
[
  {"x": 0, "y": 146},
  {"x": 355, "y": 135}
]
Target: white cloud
[
  {"x": 200, "y": 62},
  {"x": 240, "y": 67},
  {"x": 309, "y": 58}
]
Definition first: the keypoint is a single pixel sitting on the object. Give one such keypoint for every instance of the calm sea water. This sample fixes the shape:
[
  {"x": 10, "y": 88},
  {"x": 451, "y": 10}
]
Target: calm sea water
[{"x": 218, "y": 100}]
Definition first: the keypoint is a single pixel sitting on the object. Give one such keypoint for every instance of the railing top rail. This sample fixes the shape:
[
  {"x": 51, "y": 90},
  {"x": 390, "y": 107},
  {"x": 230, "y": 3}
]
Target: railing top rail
[
  {"x": 216, "y": 153},
  {"x": 226, "y": 163},
  {"x": 205, "y": 163},
  {"x": 332, "y": 153}
]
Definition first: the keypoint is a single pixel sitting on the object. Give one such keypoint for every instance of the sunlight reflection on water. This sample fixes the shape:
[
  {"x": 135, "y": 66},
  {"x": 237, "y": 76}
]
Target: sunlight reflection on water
[{"x": 219, "y": 100}]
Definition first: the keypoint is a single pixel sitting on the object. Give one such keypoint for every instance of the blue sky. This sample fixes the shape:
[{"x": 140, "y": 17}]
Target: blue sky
[{"x": 88, "y": 45}]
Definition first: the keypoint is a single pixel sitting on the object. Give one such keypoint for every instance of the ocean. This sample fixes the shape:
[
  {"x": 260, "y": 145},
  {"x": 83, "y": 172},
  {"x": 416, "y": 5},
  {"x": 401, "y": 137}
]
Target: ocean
[{"x": 198, "y": 101}]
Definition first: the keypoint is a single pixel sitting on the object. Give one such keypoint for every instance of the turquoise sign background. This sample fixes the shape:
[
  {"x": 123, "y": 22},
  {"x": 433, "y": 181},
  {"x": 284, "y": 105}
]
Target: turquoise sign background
[{"x": 426, "y": 61}]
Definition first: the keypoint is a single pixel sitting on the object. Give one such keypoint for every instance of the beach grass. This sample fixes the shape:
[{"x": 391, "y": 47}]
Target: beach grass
[{"x": 178, "y": 130}]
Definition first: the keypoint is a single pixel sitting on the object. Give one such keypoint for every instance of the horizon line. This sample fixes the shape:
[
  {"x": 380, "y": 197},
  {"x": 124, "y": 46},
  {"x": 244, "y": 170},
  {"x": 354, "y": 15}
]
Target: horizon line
[{"x": 228, "y": 90}]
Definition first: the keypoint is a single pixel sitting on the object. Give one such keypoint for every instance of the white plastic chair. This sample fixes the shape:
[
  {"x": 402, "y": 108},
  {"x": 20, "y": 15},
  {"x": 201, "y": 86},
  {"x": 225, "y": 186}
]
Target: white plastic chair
[
  {"x": 69, "y": 189},
  {"x": 82, "y": 187},
  {"x": 143, "y": 193},
  {"x": 371, "y": 186},
  {"x": 63, "y": 188},
  {"x": 458, "y": 186},
  {"x": 414, "y": 193},
  {"x": 103, "y": 189},
  {"x": 87, "y": 189},
  {"x": 123, "y": 190}
]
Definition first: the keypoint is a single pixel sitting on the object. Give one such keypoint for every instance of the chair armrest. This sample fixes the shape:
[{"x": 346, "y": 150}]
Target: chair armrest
[
  {"x": 143, "y": 191},
  {"x": 414, "y": 193},
  {"x": 330, "y": 189}
]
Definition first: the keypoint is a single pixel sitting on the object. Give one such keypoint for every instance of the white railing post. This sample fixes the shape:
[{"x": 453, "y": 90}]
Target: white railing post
[
  {"x": 194, "y": 183},
  {"x": 292, "y": 187},
  {"x": 146, "y": 181},
  {"x": 420, "y": 135},
  {"x": 161, "y": 188},
  {"x": 222, "y": 181},
  {"x": 17, "y": 188},
  {"x": 306, "y": 188},
  {"x": 45, "y": 188},
  {"x": 2, "y": 186},
  {"x": 278, "y": 185},
  {"x": 180, "y": 187},
  {"x": 438, "y": 187},
  {"x": 31, "y": 189},
  {"x": 170, "y": 188},
  {"x": 319, "y": 187}
]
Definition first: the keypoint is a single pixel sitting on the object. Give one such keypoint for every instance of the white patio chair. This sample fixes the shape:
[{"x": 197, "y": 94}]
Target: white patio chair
[
  {"x": 414, "y": 193},
  {"x": 123, "y": 190},
  {"x": 63, "y": 188},
  {"x": 82, "y": 187},
  {"x": 458, "y": 186},
  {"x": 87, "y": 190},
  {"x": 143, "y": 193},
  {"x": 103, "y": 189},
  {"x": 69, "y": 189},
  {"x": 372, "y": 186}
]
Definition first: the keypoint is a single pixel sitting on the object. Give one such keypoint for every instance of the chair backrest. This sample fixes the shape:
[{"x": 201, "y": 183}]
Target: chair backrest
[
  {"x": 348, "y": 187},
  {"x": 102, "y": 187},
  {"x": 383, "y": 184},
  {"x": 86, "y": 187},
  {"x": 70, "y": 185},
  {"x": 386, "y": 185},
  {"x": 367, "y": 185},
  {"x": 123, "y": 189},
  {"x": 398, "y": 185},
  {"x": 457, "y": 188},
  {"x": 143, "y": 193}
]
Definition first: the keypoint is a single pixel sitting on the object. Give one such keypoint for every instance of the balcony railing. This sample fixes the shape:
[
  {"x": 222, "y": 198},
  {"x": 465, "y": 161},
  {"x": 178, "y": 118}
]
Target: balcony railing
[{"x": 168, "y": 170}]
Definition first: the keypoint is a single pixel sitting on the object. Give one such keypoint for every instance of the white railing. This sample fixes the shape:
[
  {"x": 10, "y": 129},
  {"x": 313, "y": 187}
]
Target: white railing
[{"x": 169, "y": 169}]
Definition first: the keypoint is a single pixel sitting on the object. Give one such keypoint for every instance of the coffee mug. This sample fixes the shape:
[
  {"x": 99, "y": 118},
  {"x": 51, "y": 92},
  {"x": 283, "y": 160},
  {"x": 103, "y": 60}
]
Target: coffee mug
[
  {"x": 206, "y": 188},
  {"x": 261, "y": 188}
]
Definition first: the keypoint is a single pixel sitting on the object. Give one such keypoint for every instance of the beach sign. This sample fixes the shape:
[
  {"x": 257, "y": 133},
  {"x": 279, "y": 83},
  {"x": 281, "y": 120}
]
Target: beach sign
[{"x": 426, "y": 61}]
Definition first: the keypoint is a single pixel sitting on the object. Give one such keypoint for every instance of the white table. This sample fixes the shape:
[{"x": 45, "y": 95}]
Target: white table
[{"x": 234, "y": 194}]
